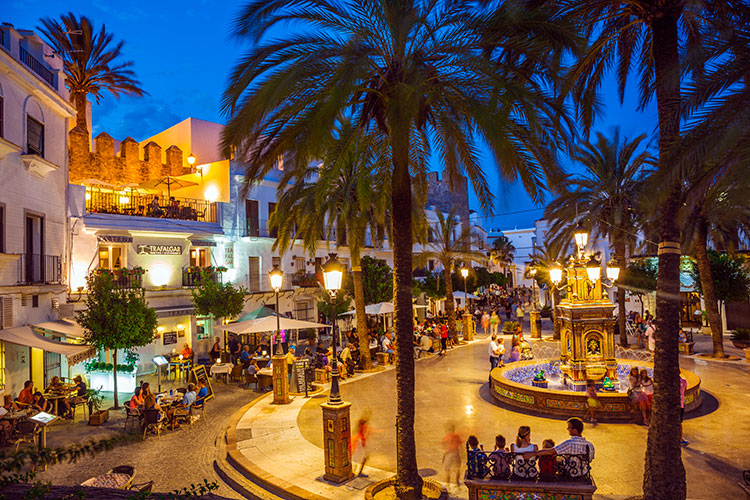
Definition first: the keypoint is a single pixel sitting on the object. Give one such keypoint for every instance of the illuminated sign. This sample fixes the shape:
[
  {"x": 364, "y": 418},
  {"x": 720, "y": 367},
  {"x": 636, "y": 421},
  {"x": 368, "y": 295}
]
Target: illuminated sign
[{"x": 160, "y": 249}]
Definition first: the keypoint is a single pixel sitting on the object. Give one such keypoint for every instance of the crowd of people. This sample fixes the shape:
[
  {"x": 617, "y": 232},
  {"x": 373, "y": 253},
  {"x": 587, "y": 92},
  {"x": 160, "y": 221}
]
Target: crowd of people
[{"x": 143, "y": 399}]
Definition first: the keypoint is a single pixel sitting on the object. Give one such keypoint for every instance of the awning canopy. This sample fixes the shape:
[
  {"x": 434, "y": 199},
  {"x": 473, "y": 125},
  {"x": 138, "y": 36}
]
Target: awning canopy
[
  {"x": 65, "y": 327},
  {"x": 24, "y": 335},
  {"x": 268, "y": 324}
]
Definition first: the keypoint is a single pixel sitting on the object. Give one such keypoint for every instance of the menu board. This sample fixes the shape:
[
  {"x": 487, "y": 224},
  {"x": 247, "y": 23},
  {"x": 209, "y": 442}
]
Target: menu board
[
  {"x": 199, "y": 373},
  {"x": 169, "y": 337},
  {"x": 298, "y": 375}
]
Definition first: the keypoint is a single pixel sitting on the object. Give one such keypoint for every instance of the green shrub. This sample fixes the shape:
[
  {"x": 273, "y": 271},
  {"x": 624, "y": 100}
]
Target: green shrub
[{"x": 740, "y": 335}]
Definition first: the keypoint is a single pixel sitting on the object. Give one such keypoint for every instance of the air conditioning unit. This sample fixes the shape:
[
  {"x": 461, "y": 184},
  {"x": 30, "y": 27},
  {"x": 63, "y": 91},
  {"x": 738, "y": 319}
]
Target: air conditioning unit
[{"x": 65, "y": 311}]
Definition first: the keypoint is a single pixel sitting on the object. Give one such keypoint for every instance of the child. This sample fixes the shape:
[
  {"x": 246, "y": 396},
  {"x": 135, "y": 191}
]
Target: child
[
  {"x": 500, "y": 459},
  {"x": 476, "y": 458},
  {"x": 547, "y": 462},
  {"x": 592, "y": 401}
]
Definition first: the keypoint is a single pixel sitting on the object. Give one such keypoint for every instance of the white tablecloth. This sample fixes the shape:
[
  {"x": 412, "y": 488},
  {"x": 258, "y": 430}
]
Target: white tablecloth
[
  {"x": 268, "y": 372},
  {"x": 222, "y": 368}
]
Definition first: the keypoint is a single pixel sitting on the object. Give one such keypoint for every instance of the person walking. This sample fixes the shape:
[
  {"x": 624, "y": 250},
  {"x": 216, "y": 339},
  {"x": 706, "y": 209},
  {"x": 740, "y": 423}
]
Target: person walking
[
  {"x": 519, "y": 314},
  {"x": 359, "y": 450},
  {"x": 486, "y": 322},
  {"x": 494, "y": 322},
  {"x": 494, "y": 352},
  {"x": 443, "y": 339},
  {"x": 452, "y": 454}
]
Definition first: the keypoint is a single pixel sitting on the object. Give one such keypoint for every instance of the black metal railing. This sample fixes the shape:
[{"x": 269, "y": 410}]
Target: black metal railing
[
  {"x": 304, "y": 280},
  {"x": 124, "y": 279},
  {"x": 503, "y": 466},
  {"x": 193, "y": 276},
  {"x": 36, "y": 66},
  {"x": 146, "y": 206},
  {"x": 36, "y": 268}
]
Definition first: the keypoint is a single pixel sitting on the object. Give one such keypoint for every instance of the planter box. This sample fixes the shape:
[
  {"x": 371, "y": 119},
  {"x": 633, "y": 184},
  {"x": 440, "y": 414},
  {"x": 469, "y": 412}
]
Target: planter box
[
  {"x": 105, "y": 380},
  {"x": 99, "y": 417}
]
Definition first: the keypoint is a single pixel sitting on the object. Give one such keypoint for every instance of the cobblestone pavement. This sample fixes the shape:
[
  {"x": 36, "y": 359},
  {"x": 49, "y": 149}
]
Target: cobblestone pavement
[
  {"x": 173, "y": 461},
  {"x": 454, "y": 389}
]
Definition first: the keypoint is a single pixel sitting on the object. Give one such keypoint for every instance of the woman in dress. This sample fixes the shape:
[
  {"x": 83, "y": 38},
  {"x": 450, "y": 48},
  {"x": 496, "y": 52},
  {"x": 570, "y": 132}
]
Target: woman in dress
[
  {"x": 215, "y": 352},
  {"x": 647, "y": 386},
  {"x": 522, "y": 467}
]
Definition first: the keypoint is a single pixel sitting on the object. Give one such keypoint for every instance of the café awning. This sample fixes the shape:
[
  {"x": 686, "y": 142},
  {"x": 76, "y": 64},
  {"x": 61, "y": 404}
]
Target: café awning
[
  {"x": 65, "y": 327},
  {"x": 268, "y": 324},
  {"x": 24, "y": 335}
]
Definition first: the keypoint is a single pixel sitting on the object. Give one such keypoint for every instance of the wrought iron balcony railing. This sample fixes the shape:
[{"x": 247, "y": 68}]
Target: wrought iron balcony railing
[
  {"x": 36, "y": 268},
  {"x": 304, "y": 280},
  {"x": 193, "y": 276},
  {"x": 124, "y": 278},
  {"x": 145, "y": 206},
  {"x": 36, "y": 66}
]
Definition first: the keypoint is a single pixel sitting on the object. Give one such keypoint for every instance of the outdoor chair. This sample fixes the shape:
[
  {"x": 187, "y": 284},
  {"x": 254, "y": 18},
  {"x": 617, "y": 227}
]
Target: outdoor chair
[
  {"x": 79, "y": 401},
  {"x": 133, "y": 414},
  {"x": 181, "y": 390},
  {"x": 250, "y": 379},
  {"x": 151, "y": 422},
  {"x": 142, "y": 487},
  {"x": 236, "y": 373},
  {"x": 182, "y": 415},
  {"x": 27, "y": 432},
  {"x": 124, "y": 469},
  {"x": 199, "y": 405}
]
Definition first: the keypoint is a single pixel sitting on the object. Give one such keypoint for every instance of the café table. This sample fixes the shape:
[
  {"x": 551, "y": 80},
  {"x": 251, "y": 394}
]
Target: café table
[
  {"x": 221, "y": 369},
  {"x": 55, "y": 397},
  {"x": 265, "y": 378},
  {"x": 181, "y": 365},
  {"x": 15, "y": 416}
]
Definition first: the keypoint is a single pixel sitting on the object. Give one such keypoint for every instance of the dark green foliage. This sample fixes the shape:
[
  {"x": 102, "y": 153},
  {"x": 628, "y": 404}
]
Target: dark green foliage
[
  {"x": 220, "y": 300},
  {"x": 731, "y": 278},
  {"x": 377, "y": 279},
  {"x": 639, "y": 277},
  {"x": 343, "y": 304}
]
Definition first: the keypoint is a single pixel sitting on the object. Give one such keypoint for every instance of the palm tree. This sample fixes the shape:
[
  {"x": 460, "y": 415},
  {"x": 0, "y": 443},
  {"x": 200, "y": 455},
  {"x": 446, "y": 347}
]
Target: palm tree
[
  {"x": 450, "y": 249},
  {"x": 646, "y": 35},
  {"x": 339, "y": 201},
  {"x": 502, "y": 252},
  {"x": 544, "y": 257},
  {"x": 418, "y": 75},
  {"x": 606, "y": 197},
  {"x": 90, "y": 61}
]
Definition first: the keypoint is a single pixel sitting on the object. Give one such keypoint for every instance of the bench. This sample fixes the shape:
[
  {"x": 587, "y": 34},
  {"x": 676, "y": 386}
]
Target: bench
[
  {"x": 508, "y": 475},
  {"x": 322, "y": 375},
  {"x": 686, "y": 348},
  {"x": 383, "y": 358}
]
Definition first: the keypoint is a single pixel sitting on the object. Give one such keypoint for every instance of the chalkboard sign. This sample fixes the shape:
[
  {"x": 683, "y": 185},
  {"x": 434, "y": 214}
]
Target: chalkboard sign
[
  {"x": 298, "y": 376},
  {"x": 199, "y": 373},
  {"x": 169, "y": 337}
]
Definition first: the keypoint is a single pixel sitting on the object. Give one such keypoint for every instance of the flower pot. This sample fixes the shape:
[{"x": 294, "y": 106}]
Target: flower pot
[
  {"x": 741, "y": 344},
  {"x": 99, "y": 417}
]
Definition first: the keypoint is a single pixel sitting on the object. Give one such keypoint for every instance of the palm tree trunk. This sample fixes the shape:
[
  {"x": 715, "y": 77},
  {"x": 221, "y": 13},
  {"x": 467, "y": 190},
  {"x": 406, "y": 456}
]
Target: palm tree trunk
[
  {"x": 359, "y": 306},
  {"x": 556, "y": 302},
  {"x": 81, "y": 104},
  {"x": 408, "y": 483},
  {"x": 620, "y": 255},
  {"x": 450, "y": 307},
  {"x": 664, "y": 473},
  {"x": 114, "y": 365},
  {"x": 708, "y": 287}
]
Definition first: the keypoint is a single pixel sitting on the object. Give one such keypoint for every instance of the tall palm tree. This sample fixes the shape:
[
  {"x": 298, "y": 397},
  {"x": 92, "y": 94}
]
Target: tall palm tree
[
  {"x": 646, "y": 35},
  {"x": 419, "y": 75},
  {"x": 338, "y": 200},
  {"x": 502, "y": 252},
  {"x": 604, "y": 197},
  {"x": 451, "y": 245},
  {"x": 544, "y": 258},
  {"x": 90, "y": 61}
]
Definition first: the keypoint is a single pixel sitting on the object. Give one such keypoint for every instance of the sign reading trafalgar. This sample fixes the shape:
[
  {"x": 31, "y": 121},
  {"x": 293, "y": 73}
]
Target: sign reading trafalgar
[{"x": 160, "y": 249}]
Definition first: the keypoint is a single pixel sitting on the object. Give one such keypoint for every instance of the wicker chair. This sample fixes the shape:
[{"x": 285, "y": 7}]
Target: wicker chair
[
  {"x": 27, "y": 432},
  {"x": 124, "y": 469},
  {"x": 133, "y": 414},
  {"x": 79, "y": 401},
  {"x": 151, "y": 422}
]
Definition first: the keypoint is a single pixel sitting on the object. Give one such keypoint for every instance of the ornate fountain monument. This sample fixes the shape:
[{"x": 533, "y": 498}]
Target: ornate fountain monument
[{"x": 584, "y": 318}]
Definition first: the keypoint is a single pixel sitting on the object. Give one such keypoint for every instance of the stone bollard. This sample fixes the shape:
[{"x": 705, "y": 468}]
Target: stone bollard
[
  {"x": 535, "y": 318},
  {"x": 468, "y": 327}
]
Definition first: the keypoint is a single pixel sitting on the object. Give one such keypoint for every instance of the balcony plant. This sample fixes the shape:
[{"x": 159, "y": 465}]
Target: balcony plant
[{"x": 97, "y": 416}]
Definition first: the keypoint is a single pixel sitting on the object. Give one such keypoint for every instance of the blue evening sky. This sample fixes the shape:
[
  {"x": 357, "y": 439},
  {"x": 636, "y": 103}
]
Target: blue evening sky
[{"x": 183, "y": 55}]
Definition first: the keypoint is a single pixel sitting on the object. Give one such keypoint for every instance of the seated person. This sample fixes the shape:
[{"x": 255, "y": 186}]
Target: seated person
[
  {"x": 174, "y": 207},
  {"x": 547, "y": 462},
  {"x": 151, "y": 404},
  {"x": 6, "y": 427},
  {"x": 576, "y": 445},
  {"x": 387, "y": 345},
  {"x": 137, "y": 401},
  {"x": 245, "y": 356},
  {"x": 425, "y": 345},
  {"x": 347, "y": 361},
  {"x": 476, "y": 459},
  {"x": 682, "y": 336},
  {"x": 189, "y": 397},
  {"x": 500, "y": 459},
  {"x": 187, "y": 352},
  {"x": 202, "y": 392},
  {"x": 40, "y": 404},
  {"x": 81, "y": 388},
  {"x": 154, "y": 208},
  {"x": 8, "y": 403},
  {"x": 63, "y": 405},
  {"x": 26, "y": 396}
]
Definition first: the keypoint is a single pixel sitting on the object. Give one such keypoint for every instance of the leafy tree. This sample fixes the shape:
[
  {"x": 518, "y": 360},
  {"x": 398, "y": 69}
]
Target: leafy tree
[
  {"x": 731, "y": 279},
  {"x": 482, "y": 277},
  {"x": 451, "y": 249},
  {"x": 639, "y": 278},
  {"x": 426, "y": 77},
  {"x": 431, "y": 285},
  {"x": 604, "y": 198},
  {"x": 90, "y": 61},
  {"x": 115, "y": 318},
  {"x": 221, "y": 300},
  {"x": 377, "y": 280},
  {"x": 502, "y": 252}
]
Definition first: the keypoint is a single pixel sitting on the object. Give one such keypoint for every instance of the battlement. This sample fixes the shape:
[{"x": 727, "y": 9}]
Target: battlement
[
  {"x": 104, "y": 164},
  {"x": 444, "y": 195}
]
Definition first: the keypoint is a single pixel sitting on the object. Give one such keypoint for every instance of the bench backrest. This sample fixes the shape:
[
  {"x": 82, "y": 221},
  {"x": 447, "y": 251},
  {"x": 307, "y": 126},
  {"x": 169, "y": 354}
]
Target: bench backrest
[{"x": 500, "y": 465}]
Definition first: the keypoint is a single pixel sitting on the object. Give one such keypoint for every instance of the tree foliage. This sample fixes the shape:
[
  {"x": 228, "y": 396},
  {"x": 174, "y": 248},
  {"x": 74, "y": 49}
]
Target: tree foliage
[
  {"x": 377, "y": 278},
  {"x": 220, "y": 300},
  {"x": 639, "y": 277},
  {"x": 730, "y": 274}
]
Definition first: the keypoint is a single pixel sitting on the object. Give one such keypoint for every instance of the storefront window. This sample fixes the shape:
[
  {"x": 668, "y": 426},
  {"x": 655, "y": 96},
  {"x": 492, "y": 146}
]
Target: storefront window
[
  {"x": 200, "y": 257},
  {"x": 204, "y": 328},
  {"x": 111, "y": 257}
]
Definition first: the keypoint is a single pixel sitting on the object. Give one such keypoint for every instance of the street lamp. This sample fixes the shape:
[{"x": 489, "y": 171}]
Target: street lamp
[
  {"x": 613, "y": 269},
  {"x": 191, "y": 159},
  {"x": 581, "y": 236},
  {"x": 593, "y": 269},
  {"x": 532, "y": 273},
  {"x": 333, "y": 273},
  {"x": 277, "y": 275},
  {"x": 555, "y": 273},
  {"x": 465, "y": 274}
]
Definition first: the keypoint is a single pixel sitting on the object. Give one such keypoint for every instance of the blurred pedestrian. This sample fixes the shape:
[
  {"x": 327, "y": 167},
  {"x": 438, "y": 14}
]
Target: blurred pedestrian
[{"x": 452, "y": 454}]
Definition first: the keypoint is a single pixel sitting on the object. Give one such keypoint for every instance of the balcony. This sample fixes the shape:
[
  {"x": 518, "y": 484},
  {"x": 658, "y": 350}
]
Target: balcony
[
  {"x": 36, "y": 66},
  {"x": 124, "y": 278},
  {"x": 305, "y": 280},
  {"x": 35, "y": 269},
  {"x": 144, "y": 206},
  {"x": 254, "y": 229},
  {"x": 193, "y": 276}
]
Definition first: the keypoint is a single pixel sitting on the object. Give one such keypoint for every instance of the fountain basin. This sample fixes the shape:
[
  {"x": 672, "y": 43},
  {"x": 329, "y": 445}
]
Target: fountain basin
[{"x": 510, "y": 387}]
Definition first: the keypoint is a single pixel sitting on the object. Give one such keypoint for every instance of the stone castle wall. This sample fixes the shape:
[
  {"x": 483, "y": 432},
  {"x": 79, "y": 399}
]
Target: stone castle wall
[
  {"x": 444, "y": 196},
  {"x": 127, "y": 167}
]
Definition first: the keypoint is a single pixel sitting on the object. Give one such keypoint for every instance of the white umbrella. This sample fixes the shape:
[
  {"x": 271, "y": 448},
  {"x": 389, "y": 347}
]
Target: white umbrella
[
  {"x": 462, "y": 295},
  {"x": 373, "y": 309},
  {"x": 268, "y": 324}
]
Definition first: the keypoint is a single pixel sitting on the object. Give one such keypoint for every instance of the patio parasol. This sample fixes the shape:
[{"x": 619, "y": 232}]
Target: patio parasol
[
  {"x": 268, "y": 324},
  {"x": 168, "y": 181}
]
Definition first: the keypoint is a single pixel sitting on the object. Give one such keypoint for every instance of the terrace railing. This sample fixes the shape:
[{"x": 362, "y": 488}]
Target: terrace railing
[
  {"x": 36, "y": 66},
  {"x": 502, "y": 466},
  {"x": 304, "y": 280},
  {"x": 193, "y": 276},
  {"x": 143, "y": 205},
  {"x": 124, "y": 278},
  {"x": 39, "y": 269}
]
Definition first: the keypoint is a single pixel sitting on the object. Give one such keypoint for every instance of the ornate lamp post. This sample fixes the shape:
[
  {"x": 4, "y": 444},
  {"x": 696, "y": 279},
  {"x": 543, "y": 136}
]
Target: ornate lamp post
[
  {"x": 585, "y": 317},
  {"x": 336, "y": 420},
  {"x": 467, "y": 317},
  {"x": 280, "y": 367},
  {"x": 535, "y": 317}
]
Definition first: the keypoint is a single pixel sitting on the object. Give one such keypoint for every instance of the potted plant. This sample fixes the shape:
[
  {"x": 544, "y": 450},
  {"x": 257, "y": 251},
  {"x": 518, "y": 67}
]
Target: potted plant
[
  {"x": 741, "y": 338},
  {"x": 97, "y": 416}
]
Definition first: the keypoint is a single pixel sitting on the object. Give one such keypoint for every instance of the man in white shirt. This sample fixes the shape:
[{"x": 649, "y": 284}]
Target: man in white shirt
[
  {"x": 495, "y": 350},
  {"x": 189, "y": 397},
  {"x": 387, "y": 344},
  {"x": 576, "y": 445}
]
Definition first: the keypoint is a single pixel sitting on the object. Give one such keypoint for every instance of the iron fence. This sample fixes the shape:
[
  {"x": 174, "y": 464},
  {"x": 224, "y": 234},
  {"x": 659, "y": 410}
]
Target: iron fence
[
  {"x": 504, "y": 466},
  {"x": 150, "y": 205},
  {"x": 193, "y": 276},
  {"x": 38, "y": 268},
  {"x": 36, "y": 66}
]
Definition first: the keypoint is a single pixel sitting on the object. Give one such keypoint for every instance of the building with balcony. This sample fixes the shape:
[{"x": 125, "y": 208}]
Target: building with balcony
[{"x": 34, "y": 119}]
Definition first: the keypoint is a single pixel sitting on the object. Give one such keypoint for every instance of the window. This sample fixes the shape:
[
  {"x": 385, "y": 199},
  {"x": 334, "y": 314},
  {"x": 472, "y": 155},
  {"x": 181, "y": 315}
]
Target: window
[
  {"x": 251, "y": 218},
  {"x": 280, "y": 162},
  {"x": 200, "y": 257},
  {"x": 1, "y": 116},
  {"x": 254, "y": 274},
  {"x": 276, "y": 261},
  {"x": 111, "y": 257},
  {"x": 34, "y": 137},
  {"x": 271, "y": 210},
  {"x": 2, "y": 228},
  {"x": 299, "y": 264},
  {"x": 430, "y": 235},
  {"x": 303, "y": 310},
  {"x": 431, "y": 265}
]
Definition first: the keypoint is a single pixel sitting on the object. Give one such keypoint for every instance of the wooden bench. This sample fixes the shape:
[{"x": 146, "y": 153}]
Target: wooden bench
[
  {"x": 383, "y": 358},
  {"x": 491, "y": 488},
  {"x": 686, "y": 348},
  {"x": 322, "y": 375}
]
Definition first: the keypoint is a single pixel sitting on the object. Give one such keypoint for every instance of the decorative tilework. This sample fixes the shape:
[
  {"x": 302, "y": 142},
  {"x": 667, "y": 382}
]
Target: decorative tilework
[
  {"x": 565, "y": 405},
  {"x": 487, "y": 494},
  {"x": 523, "y": 398}
]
